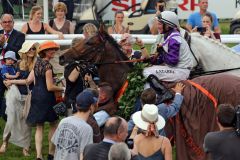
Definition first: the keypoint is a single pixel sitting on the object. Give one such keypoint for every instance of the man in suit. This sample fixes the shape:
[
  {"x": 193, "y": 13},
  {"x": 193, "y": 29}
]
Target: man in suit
[
  {"x": 10, "y": 40},
  {"x": 115, "y": 130}
]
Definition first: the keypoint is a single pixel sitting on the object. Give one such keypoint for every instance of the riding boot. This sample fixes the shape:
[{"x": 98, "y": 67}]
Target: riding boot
[{"x": 163, "y": 93}]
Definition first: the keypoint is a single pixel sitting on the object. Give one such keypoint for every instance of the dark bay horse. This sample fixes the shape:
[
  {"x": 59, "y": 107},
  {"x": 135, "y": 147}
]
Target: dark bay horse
[
  {"x": 103, "y": 51},
  {"x": 198, "y": 111}
]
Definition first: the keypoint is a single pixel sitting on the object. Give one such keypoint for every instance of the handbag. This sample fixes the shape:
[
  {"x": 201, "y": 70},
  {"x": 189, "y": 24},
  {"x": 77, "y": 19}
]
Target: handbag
[
  {"x": 60, "y": 109},
  {"x": 27, "y": 103}
]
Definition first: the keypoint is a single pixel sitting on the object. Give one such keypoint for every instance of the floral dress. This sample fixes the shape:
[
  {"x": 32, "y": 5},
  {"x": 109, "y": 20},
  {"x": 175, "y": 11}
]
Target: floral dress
[{"x": 42, "y": 101}]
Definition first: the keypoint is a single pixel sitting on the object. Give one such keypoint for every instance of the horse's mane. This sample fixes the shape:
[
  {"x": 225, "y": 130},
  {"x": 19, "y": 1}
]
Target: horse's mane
[
  {"x": 214, "y": 42},
  {"x": 112, "y": 41}
]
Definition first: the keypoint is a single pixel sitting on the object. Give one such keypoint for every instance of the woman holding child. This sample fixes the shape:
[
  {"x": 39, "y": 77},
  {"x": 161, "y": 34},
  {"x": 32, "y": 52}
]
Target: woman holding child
[{"x": 16, "y": 130}]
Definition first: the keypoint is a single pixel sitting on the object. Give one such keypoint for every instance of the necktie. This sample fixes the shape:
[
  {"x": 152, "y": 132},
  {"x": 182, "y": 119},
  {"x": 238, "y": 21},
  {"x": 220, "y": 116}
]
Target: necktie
[{"x": 6, "y": 36}]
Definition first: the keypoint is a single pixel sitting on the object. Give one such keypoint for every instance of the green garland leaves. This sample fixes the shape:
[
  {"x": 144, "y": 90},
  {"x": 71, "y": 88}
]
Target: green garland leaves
[{"x": 136, "y": 82}]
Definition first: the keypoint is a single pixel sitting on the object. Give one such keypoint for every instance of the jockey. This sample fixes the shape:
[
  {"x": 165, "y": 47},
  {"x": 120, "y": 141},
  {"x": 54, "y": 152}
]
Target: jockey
[{"x": 173, "y": 60}]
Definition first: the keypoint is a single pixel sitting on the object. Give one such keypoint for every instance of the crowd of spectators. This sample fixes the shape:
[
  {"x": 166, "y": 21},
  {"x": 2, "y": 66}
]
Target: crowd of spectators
[{"x": 25, "y": 66}]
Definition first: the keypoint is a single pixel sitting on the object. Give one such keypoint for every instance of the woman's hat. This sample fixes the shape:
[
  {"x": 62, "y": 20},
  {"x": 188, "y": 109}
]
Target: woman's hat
[
  {"x": 26, "y": 46},
  {"x": 48, "y": 45},
  {"x": 149, "y": 114},
  {"x": 10, "y": 54}
]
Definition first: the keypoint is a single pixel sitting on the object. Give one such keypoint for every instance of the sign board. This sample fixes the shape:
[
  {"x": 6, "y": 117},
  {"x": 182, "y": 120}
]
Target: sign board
[{"x": 223, "y": 8}]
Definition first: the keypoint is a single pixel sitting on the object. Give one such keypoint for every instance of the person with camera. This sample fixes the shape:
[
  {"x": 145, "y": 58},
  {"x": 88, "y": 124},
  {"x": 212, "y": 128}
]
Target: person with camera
[
  {"x": 172, "y": 62},
  {"x": 195, "y": 19},
  {"x": 206, "y": 30},
  {"x": 224, "y": 144},
  {"x": 152, "y": 23},
  {"x": 127, "y": 41}
]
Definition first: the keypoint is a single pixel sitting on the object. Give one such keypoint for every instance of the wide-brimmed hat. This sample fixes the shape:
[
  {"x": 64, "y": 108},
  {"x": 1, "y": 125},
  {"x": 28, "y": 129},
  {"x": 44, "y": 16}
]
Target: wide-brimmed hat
[
  {"x": 26, "y": 46},
  {"x": 48, "y": 45},
  {"x": 149, "y": 114},
  {"x": 10, "y": 54}
]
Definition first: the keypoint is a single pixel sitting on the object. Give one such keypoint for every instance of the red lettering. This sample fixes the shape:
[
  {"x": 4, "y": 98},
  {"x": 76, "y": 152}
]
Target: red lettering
[
  {"x": 182, "y": 6},
  {"x": 185, "y": 2},
  {"x": 193, "y": 5},
  {"x": 120, "y": 6},
  {"x": 133, "y": 4}
]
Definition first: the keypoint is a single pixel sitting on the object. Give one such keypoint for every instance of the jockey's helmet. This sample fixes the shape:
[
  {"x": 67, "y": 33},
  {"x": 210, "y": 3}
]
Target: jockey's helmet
[
  {"x": 48, "y": 45},
  {"x": 170, "y": 18}
]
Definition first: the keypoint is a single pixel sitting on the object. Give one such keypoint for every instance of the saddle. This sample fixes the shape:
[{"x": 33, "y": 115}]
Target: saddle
[{"x": 163, "y": 93}]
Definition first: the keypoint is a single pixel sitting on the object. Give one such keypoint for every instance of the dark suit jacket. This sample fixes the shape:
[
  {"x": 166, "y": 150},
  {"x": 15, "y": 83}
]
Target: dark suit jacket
[
  {"x": 97, "y": 151},
  {"x": 15, "y": 42}
]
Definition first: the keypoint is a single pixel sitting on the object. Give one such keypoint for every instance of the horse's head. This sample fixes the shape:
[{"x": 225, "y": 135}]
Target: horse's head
[{"x": 86, "y": 49}]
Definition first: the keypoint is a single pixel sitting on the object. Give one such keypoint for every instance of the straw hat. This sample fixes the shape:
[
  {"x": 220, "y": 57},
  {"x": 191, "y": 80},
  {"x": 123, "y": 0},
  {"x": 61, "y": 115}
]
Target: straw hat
[
  {"x": 149, "y": 114},
  {"x": 26, "y": 46},
  {"x": 48, "y": 45}
]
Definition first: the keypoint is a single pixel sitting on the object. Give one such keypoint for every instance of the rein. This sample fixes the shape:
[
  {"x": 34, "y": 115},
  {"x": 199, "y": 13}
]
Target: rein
[
  {"x": 118, "y": 62},
  {"x": 215, "y": 71}
]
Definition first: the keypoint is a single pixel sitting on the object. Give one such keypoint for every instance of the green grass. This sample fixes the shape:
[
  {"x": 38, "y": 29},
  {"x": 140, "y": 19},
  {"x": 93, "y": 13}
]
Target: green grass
[{"x": 15, "y": 153}]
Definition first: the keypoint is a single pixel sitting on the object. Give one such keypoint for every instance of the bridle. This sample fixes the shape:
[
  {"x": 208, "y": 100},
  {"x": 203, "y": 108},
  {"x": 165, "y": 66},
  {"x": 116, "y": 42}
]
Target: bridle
[{"x": 101, "y": 48}]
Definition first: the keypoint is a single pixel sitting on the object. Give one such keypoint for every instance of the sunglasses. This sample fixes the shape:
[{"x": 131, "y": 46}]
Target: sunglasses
[{"x": 32, "y": 49}]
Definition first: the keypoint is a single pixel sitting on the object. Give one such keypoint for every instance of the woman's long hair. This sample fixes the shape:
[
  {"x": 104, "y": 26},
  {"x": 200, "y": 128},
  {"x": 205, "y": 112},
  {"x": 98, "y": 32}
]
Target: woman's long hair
[{"x": 27, "y": 64}]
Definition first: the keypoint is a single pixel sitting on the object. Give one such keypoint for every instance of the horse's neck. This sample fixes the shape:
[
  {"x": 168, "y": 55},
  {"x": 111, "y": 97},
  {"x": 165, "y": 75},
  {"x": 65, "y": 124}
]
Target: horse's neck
[
  {"x": 214, "y": 55},
  {"x": 115, "y": 74}
]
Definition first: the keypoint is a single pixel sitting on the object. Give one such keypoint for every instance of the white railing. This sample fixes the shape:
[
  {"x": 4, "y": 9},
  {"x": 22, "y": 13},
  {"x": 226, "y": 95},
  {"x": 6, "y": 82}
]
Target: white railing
[{"x": 147, "y": 39}]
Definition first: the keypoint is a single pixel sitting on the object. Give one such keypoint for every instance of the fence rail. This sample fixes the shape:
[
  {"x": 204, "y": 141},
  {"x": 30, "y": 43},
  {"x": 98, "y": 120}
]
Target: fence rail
[{"x": 147, "y": 39}]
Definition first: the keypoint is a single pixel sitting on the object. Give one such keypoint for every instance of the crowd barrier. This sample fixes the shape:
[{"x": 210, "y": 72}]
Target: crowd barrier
[{"x": 147, "y": 39}]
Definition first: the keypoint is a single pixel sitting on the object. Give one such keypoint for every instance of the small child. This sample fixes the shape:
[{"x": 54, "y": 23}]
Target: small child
[{"x": 8, "y": 69}]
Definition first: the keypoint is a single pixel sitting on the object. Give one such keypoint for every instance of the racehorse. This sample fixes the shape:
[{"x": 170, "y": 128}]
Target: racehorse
[
  {"x": 197, "y": 115},
  {"x": 214, "y": 56}
]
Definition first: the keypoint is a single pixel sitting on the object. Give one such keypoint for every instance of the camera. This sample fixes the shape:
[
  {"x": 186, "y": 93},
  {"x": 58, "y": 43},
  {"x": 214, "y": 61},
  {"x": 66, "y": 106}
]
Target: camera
[
  {"x": 161, "y": 8},
  {"x": 201, "y": 29}
]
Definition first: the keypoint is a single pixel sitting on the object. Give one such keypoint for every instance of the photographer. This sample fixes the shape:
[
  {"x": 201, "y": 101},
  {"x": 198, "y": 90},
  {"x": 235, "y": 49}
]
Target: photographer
[
  {"x": 152, "y": 23},
  {"x": 224, "y": 144},
  {"x": 127, "y": 41},
  {"x": 207, "y": 22}
]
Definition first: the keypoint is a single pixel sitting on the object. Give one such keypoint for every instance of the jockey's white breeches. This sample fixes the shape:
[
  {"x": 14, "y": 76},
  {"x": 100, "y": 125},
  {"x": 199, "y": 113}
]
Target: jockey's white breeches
[{"x": 166, "y": 73}]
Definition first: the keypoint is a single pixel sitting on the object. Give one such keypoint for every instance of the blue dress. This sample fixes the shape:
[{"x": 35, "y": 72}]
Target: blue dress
[
  {"x": 42, "y": 100},
  {"x": 155, "y": 156}
]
